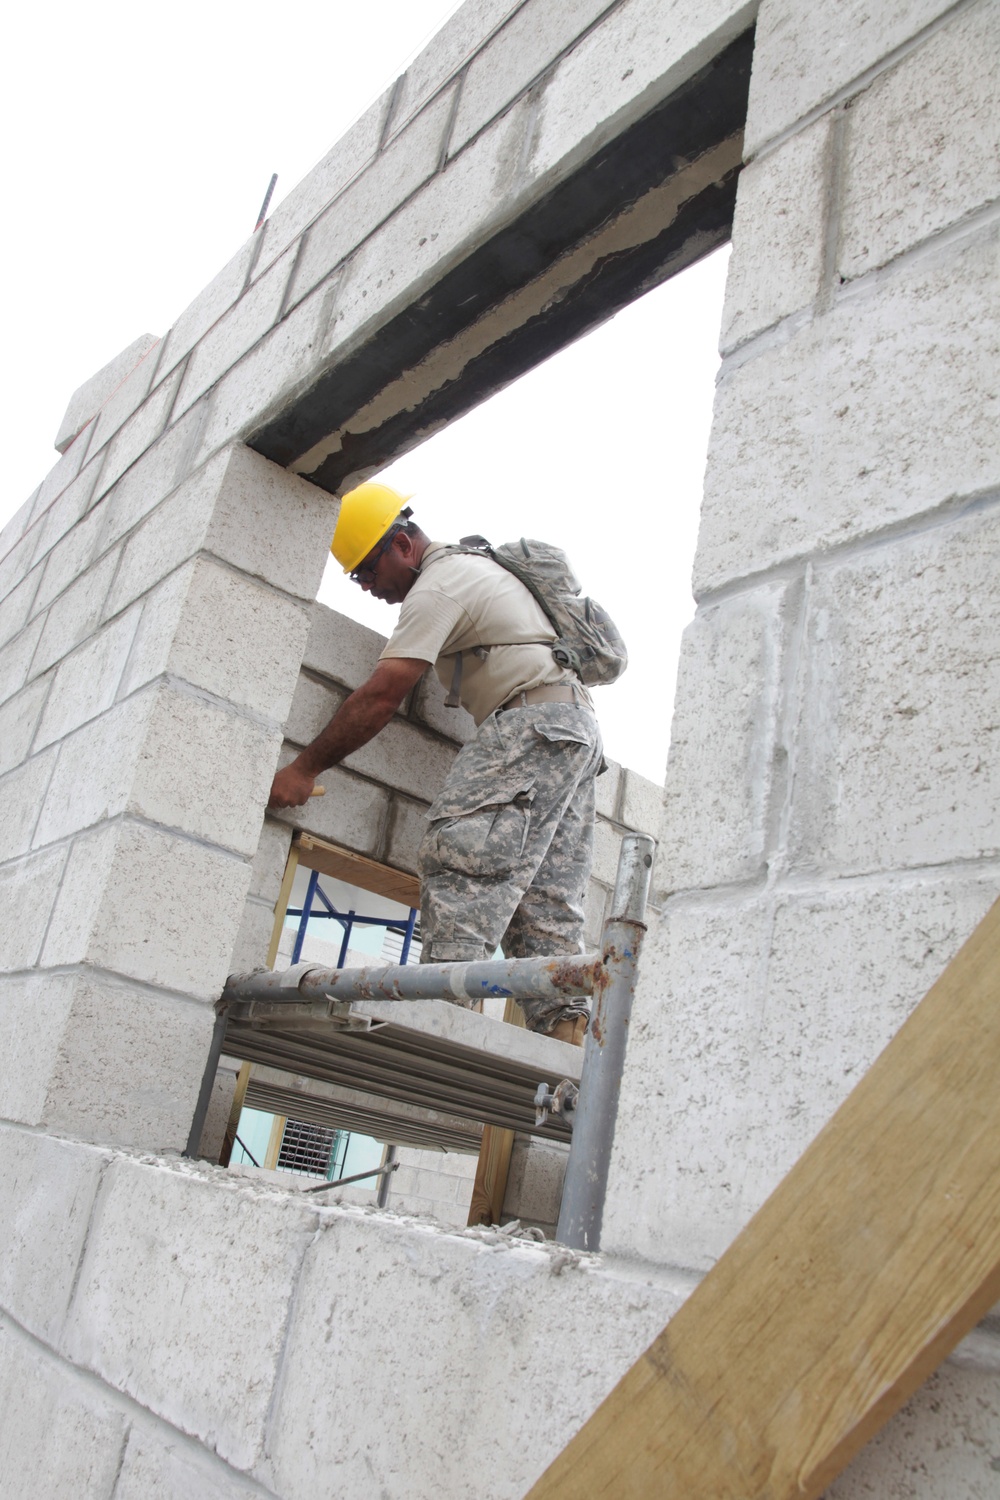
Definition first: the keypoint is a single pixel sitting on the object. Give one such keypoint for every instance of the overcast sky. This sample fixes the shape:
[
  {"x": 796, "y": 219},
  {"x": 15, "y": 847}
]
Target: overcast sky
[{"x": 140, "y": 141}]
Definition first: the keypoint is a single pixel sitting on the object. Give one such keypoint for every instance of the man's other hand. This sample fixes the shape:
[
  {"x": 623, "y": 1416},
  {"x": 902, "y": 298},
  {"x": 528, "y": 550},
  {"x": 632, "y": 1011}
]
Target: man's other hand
[{"x": 291, "y": 787}]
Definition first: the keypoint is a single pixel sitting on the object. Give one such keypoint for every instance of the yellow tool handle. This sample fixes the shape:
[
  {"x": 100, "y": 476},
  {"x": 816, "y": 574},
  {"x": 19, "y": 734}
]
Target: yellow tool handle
[{"x": 318, "y": 791}]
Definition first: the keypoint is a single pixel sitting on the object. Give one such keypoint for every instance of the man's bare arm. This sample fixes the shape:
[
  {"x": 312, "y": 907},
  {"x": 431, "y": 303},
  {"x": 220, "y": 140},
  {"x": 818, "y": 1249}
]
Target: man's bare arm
[{"x": 358, "y": 720}]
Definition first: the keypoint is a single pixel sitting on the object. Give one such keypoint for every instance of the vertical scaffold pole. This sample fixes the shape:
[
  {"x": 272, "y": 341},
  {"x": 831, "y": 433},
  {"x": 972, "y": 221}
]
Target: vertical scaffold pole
[{"x": 586, "y": 1180}]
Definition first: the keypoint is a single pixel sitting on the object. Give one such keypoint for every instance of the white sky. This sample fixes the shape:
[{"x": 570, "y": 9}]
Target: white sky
[{"x": 140, "y": 141}]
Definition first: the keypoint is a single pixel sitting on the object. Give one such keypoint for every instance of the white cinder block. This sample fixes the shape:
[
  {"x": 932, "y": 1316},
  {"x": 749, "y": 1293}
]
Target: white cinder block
[
  {"x": 33, "y": 1011},
  {"x": 803, "y": 56},
  {"x": 923, "y": 144},
  {"x": 405, "y": 758},
  {"x": 675, "y": 1184},
  {"x": 18, "y": 720},
  {"x": 148, "y": 904},
  {"x": 607, "y": 847},
  {"x": 63, "y": 514},
  {"x": 125, "y": 399},
  {"x": 208, "y": 306},
  {"x": 15, "y": 529},
  {"x": 150, "y": 479},
  {"x": 607, "y": 787},
  {"x": 59, "y": 1437},
  {"x": 352, "y": 813},
  {"x": 18, "y": 562},
  {"x": 254, "y": 937},
  {"x": 16, "y": 658},
  {"x": 390, "y": 179},
  {"x": 642, "y": 804},
  {"x": 48, "y": 1188},
  {"x": 897, "y": 764},
  {"x": 140, "y": 431},
  {"x": 16, "y": 606},
  {"x": 270, "y": 860},
  {"x": 85, "y": 683},
  {"x": 313, "y": 706},
  {"x": 639, "y": 54},
  {"x": 861, "y": 420},
  {"x": 236, "y": 331},
  {"x": 161, "y": 613},
  {"x": 520, "y": 51},
  {"x": 461, "y": 36},
  {"x": 535, "y": 1182},
  {"x": 21, "y": 793},
  {"x": 183, "y": 1339},
  {"x": 239, "y": 640},
  {"x": 158, "y": 1467},
  {"x": 69, "y": 558},
  {"x": 725, "y": 743},
  {"x": 429, "y": 708},
  {"x": 778, "y": 235},
  {"x": 87, "y": 401},
  {"x": 341, "y": 648},
  {"x": 61, "y": 475},
  {"x": 462, "y": 1316},
  {"x": 595, "y": 909},
  {"x": 351, "y": 154},
  {"x": 408, "y": 824},
  {"x": 75, "y": 614},
  {"x": 28, "y": 890}
]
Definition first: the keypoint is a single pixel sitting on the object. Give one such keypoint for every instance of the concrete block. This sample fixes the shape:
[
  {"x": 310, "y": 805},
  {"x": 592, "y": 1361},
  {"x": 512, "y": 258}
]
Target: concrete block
[
  {"x": 779, "y": 232},
  {"x": 21, "y": 795},
  {"x": 313, "y": 706},
  {"x": 607, "y": 787},
  {"x": 239, "y": 640},
  {"x": 353, "y": 812},
  {"x": 595, "y": 907},
  {"x": 390, "y": 179},
  {"x": 75, "y": 614},
  {"x": 16, "y": 658},
  {"x": 943, "y": 1442},
  {"x": 33, "y": 1012},
  {"x": 535, "y": 1182},
  {"x": 69, "y": 558},
  {"x": 897, "y": 762},
  {"x": 16, "y": 527},
  {"x": 845, "y": 971},
  {"x": 161, "y": 613},
  {"x": 861, "y": 420},
  {"x": 726, "y": 761},
  {"x": 150, "y": 905},
  {"x": 341, "y": 648},
  {"x": 59, "y": 1437},
  {"x": 18, "y": 720},
  {"x": 463, "y": 34},
  {"x": 642, "y": 804},
  {"x": 307, "y": 200},
  {"x": 455, "y": 1315},
  {"x": 85, "y": 683},
  {"x": 49, "y": 1190},
  {"x": 637, "y": 55},
  {"x": 607, "y": 846},
  {"x": 17, "y": 564},
  {"x": 61, "y": 475},
  {"x": 405, "y": 758},
  {"x": 140, "y": 431},
  {"x": 88, "y": 399},
  {"x": 16, "y": 606},
  {"x": 237, "y": 330},
  {"x": 95, "y": 772},
  {"x": 916, "y": 159},
  {"x": 254, "y": 937},
  {"x": 688, "y": 1093},
  {"x": 63, "y": 513},
  {"x": 521, "y": 50},
  {"x": 125, "y": 399},
  {"x": 444, "y": 220},
  {"x": 429, "y": 708},
  {"x": 407, "y": 826},
  {"x": 209, "y": 305},
  {"x": 184, "y": 1340},
  {"x": 28, "y": 888},
  {"x": 150, "y": 479},
  {"x": 270, "y": 860},
  {"x": 802, "y": 59},
  {"x": 286, "y": 360},
  {"x": 157, "y": 1466}
]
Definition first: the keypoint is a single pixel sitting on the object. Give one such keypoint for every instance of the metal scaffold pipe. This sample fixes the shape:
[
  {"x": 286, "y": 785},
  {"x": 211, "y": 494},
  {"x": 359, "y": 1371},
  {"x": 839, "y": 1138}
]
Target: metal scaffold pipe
[{"x": 586, "y": 1181}]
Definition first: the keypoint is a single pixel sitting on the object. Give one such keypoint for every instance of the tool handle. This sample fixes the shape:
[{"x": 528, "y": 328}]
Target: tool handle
[{"x": 318, "y": 791}]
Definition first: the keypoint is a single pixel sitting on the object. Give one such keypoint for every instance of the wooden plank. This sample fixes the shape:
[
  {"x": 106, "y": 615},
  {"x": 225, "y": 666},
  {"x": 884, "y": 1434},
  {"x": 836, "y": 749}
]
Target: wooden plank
[
  {"x": 877, "y": 1253},
  {"x": 355, "y": 869},
  {"x": 281, "y": 905},
  {"x": 490, "y": 1186}
]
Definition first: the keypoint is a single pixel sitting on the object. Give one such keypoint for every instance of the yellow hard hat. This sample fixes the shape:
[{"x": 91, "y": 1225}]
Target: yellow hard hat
[{"x": 365, "y": 516}]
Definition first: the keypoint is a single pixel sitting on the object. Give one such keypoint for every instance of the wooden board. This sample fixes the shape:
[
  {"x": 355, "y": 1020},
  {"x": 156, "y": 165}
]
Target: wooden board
[
  {"x": 877, "y": 1253},
  {"x": 355, "y": 869},
  {"x": 490, "y": 1186}
]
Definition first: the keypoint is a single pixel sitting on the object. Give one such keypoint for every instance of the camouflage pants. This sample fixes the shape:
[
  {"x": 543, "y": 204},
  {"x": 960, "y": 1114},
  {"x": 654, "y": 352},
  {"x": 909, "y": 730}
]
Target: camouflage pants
[{"x": 507, "y": 856}]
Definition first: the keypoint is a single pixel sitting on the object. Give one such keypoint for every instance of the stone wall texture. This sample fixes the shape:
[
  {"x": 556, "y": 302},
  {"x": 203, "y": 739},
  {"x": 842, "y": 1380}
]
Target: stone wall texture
[{"x": 829, "y": 833}]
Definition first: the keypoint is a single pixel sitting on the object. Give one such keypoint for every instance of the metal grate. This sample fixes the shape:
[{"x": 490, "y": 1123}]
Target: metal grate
[
  {"x": 313, "y": 1149},
  {"x": 392, "y": 946}
]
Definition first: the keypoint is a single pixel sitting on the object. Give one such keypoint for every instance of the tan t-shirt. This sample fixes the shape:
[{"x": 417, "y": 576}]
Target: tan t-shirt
[{"x": 463, "y": 603}]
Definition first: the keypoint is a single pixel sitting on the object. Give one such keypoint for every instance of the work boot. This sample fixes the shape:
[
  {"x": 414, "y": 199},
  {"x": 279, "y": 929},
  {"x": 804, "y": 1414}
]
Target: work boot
[{"x": 573, "y": 1030}]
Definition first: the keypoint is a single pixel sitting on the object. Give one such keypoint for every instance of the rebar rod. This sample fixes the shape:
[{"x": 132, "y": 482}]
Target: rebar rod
[{"x": 585, "y": 1185}]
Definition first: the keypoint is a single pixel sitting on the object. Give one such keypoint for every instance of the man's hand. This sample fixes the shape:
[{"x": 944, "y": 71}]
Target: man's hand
[{"x": 291, "y": 787}]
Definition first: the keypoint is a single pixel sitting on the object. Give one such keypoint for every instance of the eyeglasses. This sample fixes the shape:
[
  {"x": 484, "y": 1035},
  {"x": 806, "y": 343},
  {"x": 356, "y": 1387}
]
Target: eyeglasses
[{"x": 365, "y": 572}]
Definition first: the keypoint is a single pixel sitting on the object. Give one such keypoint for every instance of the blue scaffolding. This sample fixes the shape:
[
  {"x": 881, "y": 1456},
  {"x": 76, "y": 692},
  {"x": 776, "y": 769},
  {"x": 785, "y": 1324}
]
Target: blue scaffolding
[{"x": 348, "y": 921}]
